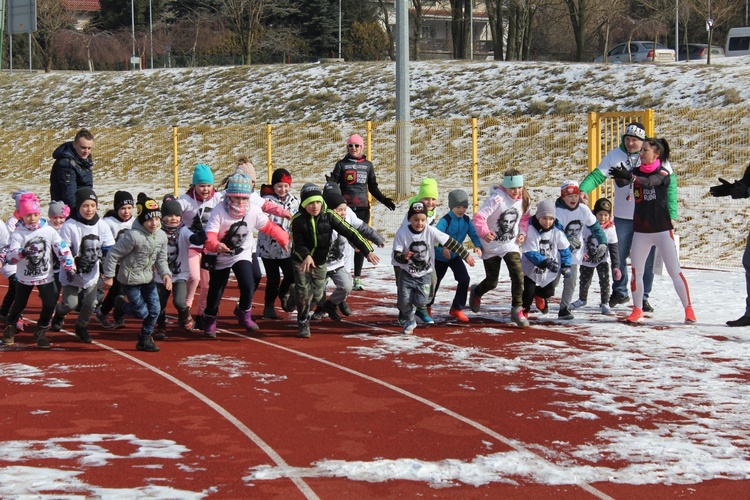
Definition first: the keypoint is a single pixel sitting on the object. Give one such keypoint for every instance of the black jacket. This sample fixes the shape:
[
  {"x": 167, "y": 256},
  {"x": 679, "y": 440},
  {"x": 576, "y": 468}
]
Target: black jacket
[
  {"x": 69, "y": 173},
  {"x": 312, "y": 235},
  {"x": 356, "y": 177}
]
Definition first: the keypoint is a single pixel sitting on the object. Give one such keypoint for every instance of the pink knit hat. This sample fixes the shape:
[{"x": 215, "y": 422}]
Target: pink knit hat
[
  {"x": 355, "y": 139},
  {"x": 28, "y": 204}
]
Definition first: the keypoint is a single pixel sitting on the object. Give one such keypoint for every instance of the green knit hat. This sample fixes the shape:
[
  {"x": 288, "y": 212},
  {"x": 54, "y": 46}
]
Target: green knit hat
[{"x": 428, "y": 189}]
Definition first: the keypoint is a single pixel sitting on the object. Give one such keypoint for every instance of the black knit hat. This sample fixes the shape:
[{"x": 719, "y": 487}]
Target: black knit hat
[
  {"x": 146, "y": 208},
  {"x": 85, "y": 194},
  {"x": 281, "y": 175},
  {"x": 416, "y": 208},
  {"x": 170, "y": 206},
  {"x": 333, "y": 199},
  {"x": 123, "y": 198},
  {"x": 310, "y": 192},
  {"x": 603, "y": 204}
]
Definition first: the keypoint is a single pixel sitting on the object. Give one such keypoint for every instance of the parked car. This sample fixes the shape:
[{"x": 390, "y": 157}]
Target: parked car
[
  {"x": 738, "y": 42},
  {"x": 640, "y": 51},
  {"x": 699, "y": 51}
]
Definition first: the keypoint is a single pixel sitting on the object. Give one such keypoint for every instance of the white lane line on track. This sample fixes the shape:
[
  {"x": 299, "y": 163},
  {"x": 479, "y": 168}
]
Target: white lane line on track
[
  {"x": 267, "y": 449},
  {"x": 516, "y": 445}
]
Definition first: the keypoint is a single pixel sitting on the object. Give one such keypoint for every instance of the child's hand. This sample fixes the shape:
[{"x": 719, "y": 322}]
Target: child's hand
[
  {"x": 167, "y": 283},
  {"x": 107, "y": 283},
  {"x": 490, "y": 237},
  {"x": 478, "y": 251},
  {"x": 583, "y": 197},
  {"x": 446, "y": 253},
  {"x": 307, "y": 264},
  {"x": 222, "y": 248},
  {"x": 521, "y": 238},
  {"x": 408, "y": 255},
  {"x": 617, "y": 274},
  {"x": 372, "y": 258},
  {"x": 470, "y": 260}
]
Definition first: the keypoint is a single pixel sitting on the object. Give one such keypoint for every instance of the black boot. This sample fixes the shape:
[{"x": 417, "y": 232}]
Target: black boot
[
  {"x": 332, "y": 310},
  {"x": 146, "y": 343},
  {"x": 40, "y": 335},
  {"x": 741, "y": 321}
]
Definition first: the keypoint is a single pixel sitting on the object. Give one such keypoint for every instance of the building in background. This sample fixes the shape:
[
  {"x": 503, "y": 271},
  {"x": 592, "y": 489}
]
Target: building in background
[{"x": 82, "y": 10}]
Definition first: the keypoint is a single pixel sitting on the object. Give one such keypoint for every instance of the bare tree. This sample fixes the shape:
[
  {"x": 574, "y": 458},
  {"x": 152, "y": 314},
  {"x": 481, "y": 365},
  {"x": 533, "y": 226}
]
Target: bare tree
[
  {"x": 716, "y": 13},
  {"x": 578, "y": 14},
  {"x": 497, "y": 28},
  {"x": 388, "y": 31},
  {"x": 91, "y": 47},
  {"x": 418, "y": 18},
  {"x": 52, "y": 18},
  {"x": 460, "y": 10},
  {"x": 245, "y": 16}
]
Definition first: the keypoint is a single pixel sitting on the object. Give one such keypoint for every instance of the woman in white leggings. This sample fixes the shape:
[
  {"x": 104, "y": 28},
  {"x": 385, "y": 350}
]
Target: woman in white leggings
[{"x": 652, "y": 225}]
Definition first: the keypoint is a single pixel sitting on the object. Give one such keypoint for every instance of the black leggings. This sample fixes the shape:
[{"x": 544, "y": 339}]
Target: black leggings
[
  {"x": 243, "y": 271},
  {"x": 48, "y": 294},
  {"x": 362, "y": 214}
]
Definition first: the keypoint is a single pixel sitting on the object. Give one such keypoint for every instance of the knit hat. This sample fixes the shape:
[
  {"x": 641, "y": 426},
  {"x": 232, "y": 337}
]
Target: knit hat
[
  {"x": 58, "y": 209},
  {"x": 28, "y": 203},
  {"x": 332, "y": 187},
  {"x": 546, "y": 208},
  {"x": 636, "y": 130},
  {"x": 458, "y": 198},
  {"x": 416, "y": 208},
  {"x": 202, "y": 174},
  {"x": 146, "y": 208},
  {"x": 123, "y": 198},
  {"x": 428, "y": 189},
  {"x": 281, "y": 175},
  {"x": 239, "y": 185},
  {"x": 309, "y": 193},
  {"x": 247, "y": 169},
  {"x": 569, "y": 187},
  {"x": 170, "y": 206},
  {"x": 85, "y": 194},
  {"x": 355, "y": 139},
  {"x": 603, "y": 204},
  {"x": 512, "y": 181},
  {"x": 17, "y": 196},
  {"x": 333, "y": 199}
]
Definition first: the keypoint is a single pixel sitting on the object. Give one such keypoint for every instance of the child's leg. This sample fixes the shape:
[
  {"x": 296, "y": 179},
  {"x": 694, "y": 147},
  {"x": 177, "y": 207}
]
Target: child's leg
[
  {"x": 257, "y": 274},
  {"x": 163, "y": 293},
  {"x": 529, "y": 292},
  {"x": 491, "y": 275},
  {"x": 273, "y": 280},
  {"x": 420, "y": 293},
  {"x": 22, "y": 293},
  {"x": 244, "y": 272},
  {"x": 68, "y": 302},
  {"x": 194, "y": 261},
  {"x": 602, "y": 269},
  {"x": 546, "y": 291},
  {"x": 462, "y": 282},
  {"x": 153, "y": 307},
  {"x": 48, "y": 295},
  {"x": 587, "y": 275},
  {"x": 668, "y": 250},
  {"x": 179, "y": 297},
  {"x": 441, "y": 266},
  {"x": 309, "y": 287},
  {"x": 109, "y": 300},
  {"x": 513, "y": 261},
  {"x": 203, "y": 293},
  {"x": 343, "y": 282},
  {"x": 10, "y": 296},
  {"x": 405, "y": 290},
  {"x": 217, "y": 284},
  {"x": 287, "y": 268},
  {"x": 88, "y": 305},
  {"x": 569, "y": 287}
]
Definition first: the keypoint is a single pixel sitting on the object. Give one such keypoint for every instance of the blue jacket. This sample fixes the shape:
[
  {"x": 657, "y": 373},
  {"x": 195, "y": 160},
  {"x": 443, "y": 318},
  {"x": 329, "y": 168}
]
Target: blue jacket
[{"x": 457, "y": 229}]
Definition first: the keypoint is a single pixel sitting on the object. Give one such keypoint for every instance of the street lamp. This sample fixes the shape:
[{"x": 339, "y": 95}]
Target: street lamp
[
  {"x": 339, "y": 29},
  {"x": 151, "y": 34},
  {"x": 132, "y": 22}
]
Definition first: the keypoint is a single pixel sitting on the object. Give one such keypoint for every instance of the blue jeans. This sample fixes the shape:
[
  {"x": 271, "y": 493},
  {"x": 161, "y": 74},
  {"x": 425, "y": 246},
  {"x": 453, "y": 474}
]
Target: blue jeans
[
  {"x": 143, "y": 303},
  {"x": 624, "y": 229}
]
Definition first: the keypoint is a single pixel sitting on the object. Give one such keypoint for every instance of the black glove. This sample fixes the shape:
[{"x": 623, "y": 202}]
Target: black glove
[
  {"x": 621, "y": 172},
  {"x": 566, "y": 272},
  {"x": 389, "y": 203},
  {"x": 739, "y": 190},
  {"x": 723, "y": 189},
  {"x": 551, "y": 265}
]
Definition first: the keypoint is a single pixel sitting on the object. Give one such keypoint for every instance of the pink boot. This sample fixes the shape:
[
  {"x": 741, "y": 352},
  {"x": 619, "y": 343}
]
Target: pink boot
[{"x": 244, "y": 318}]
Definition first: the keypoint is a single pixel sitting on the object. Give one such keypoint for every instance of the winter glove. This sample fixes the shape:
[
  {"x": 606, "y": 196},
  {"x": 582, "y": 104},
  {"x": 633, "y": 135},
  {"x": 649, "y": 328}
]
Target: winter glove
[
  {"x": 601, "y": 251},
  {"x": 199, "y": 237},
  {"x": 389, "y": 203},
  {"x": 70, "y": 273},
  {"x": 621, "y": 172},
  {"x": 723, "y": 189},
  {"x": 617, "y": 274},
  {"x": 566, "y": 272},
  {"x": 739, "y": 190},
  {"x": 551, "y": 265}
]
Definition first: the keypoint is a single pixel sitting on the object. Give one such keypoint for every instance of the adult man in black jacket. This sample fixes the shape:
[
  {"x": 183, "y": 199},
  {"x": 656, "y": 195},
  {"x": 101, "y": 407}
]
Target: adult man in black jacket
[{"x": 72, "y": 169}]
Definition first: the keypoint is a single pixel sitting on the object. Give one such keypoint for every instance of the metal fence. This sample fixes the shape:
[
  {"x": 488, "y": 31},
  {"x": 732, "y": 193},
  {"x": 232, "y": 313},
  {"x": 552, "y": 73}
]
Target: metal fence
[{"x": 470, "y": 154}]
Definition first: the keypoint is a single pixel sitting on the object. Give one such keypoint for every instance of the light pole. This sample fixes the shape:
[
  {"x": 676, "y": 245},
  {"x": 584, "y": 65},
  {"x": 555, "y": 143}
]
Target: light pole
[
  {"x": 677, "y": 30},
  {"x": 339, "y": 29},
  {"x": 471, "y": 29},
  {"x": 132, "y": 22},
  {"x": 151, "y": 34}
]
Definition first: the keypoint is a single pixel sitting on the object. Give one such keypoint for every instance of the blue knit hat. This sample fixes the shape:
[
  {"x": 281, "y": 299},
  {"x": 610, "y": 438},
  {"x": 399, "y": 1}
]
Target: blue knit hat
[
  {"x": 202, "y": 174},
  {"x": 239, "y": 185}
]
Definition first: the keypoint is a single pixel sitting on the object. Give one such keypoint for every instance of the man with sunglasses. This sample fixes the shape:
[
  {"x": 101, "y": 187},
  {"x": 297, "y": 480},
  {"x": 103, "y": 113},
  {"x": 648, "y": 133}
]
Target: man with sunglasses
[
  {"x": 356, "y": 177},
  {"x": 73, "y": 168}
]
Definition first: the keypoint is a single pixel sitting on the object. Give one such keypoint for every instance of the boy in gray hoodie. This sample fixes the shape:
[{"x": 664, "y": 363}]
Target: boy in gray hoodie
[{"x": 138, "y": 252}]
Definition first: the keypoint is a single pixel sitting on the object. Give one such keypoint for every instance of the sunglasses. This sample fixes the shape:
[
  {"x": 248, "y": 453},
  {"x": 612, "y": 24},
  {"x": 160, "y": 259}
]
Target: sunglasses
[{"x": 354, "y": 145}]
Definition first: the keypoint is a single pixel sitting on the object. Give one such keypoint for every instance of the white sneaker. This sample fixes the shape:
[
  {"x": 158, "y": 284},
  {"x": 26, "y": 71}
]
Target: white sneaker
[
  {"x": 577, "y": 304},
  {"x": 409, "y": 327},
  {"x": 516, "y": 314},
  {"x": 606, "y": 309}
]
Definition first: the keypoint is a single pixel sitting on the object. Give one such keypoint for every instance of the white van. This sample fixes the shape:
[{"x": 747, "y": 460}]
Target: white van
[{"x": 738, "y": 42}]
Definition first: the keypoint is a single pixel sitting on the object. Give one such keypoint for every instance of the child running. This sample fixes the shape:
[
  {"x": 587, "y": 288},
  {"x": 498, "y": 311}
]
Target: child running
[{"x": 414, "y": 251}]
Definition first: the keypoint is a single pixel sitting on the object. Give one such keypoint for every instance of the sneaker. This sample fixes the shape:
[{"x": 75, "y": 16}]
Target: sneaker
[
  {"x": 102, "y": 318},
  {"x": 577, "y": 304},
  {"x": 209, "y": 327},
  {"x": 83, "y": 334},
  {"x": 516, "y": 314},
  {"x": 146, "y": 343},
  {"x": 357, "y": 284},
  {"x": 118, "y": 314},
  {"x": 289, "y": 301},
  {"x": 9, "y": 335},
  {"x": 541, "y": 304},
  {"x": 245, "y": 318},
  {"x": 304, "y": 330},
  {"x": 41, "y": 338},
  {"x": 160, "y": 333},
  {"x": 605, "y": 309},
  {"x": 475, "y": 302},
  {"x": 635, "y": 316},
  {"x": 565, "y": 313},
  {"x": 318, "y": 314},
  {"x": 332, "y": 310},
  {"x": 409, "y": 327},
  {"x": 269, "y": 312},
  {"x": 459, "y": 315},
  {"x": 647, "y": 307},
  {"x": 617, "y": 298},
  {"x": 741, "y": 321},
  {"x": 345, "y": 309},
  {"x": 422, "y": 314},
  {"x": 187, "y": 322},
  {"x": 57, "y": 323},
  {"x": 690, "y": 315}
]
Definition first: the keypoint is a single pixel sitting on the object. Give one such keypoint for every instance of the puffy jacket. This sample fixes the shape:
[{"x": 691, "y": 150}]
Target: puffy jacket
[
  {"x": 138, "y": 252},
  {"x": 312, "y": 235},
  {"x": 69, "y": 173}
]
